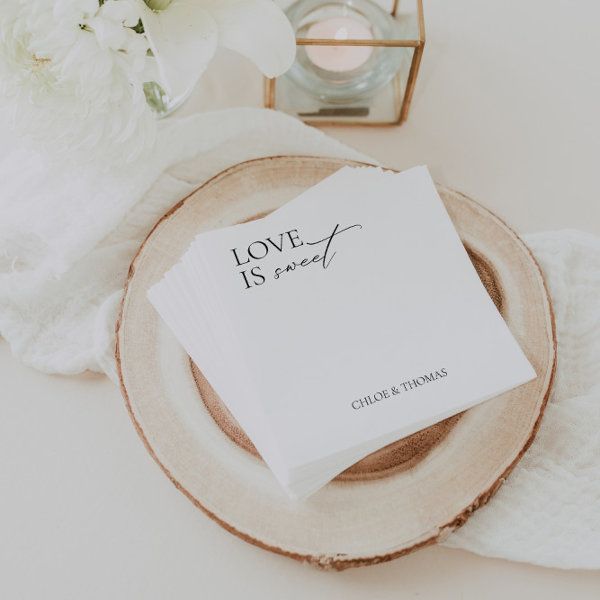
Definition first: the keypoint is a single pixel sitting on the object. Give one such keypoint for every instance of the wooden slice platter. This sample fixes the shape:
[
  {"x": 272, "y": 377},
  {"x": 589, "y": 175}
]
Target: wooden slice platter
[{"x": 401, "y": 498}]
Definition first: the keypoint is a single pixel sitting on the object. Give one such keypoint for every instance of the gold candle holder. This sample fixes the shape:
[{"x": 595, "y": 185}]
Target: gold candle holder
[{"x": 389, "y": 105}]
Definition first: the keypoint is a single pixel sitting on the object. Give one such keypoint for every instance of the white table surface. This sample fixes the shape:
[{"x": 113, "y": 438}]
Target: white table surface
[{"x": 506, "y": 110}]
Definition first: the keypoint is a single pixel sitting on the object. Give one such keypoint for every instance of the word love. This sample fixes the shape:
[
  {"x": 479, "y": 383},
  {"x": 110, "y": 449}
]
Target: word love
[{"x": 286, "y": 241}]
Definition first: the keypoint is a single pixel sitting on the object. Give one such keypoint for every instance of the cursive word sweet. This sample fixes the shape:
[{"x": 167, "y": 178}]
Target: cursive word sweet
[{"x": 325, "y": 258}]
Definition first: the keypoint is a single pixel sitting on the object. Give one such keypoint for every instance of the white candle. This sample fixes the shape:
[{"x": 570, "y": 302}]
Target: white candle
[{"x": 339, "y": 58}]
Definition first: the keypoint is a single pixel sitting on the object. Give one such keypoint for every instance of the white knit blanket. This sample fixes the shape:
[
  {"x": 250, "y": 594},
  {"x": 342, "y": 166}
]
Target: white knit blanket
[{"x": 67, "y": 237}]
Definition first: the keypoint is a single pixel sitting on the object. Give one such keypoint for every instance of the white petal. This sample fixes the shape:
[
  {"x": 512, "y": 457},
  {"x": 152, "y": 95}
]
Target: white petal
[
  {"x": 72, "y": 10},
  {"x": 183, "y": 39},
  {"x": 257, "y": 29},
  {"x": 122, "y": 11},
  {"x": 110, "y": 34}
]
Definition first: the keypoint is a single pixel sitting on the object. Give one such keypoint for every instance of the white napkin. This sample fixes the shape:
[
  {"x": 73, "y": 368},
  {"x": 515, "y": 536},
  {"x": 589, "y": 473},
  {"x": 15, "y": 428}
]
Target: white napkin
[
  {"x": 67, "y": 236},
  {"x": 548, "y": 511}
]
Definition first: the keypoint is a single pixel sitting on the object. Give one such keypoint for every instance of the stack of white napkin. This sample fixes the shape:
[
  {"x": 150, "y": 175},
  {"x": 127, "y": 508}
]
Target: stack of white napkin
[{"x": 335, "y": 355}]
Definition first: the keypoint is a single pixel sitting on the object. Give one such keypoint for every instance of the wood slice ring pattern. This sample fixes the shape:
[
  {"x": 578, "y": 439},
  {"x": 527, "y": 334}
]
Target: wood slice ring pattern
[{"x": 421, "y": 488}]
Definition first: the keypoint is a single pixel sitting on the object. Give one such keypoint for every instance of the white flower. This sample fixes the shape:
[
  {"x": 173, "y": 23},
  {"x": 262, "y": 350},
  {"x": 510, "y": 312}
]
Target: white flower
[
  {"x": 73, "y": 72},
  {"x": 185, "y": 34}
]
